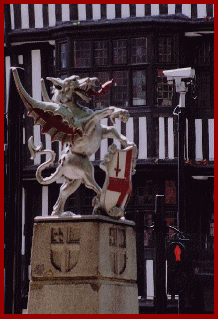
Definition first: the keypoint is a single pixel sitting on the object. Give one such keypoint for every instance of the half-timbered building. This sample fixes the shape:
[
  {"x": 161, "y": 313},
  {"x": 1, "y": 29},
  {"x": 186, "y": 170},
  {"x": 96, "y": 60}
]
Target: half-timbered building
[{"x": 133, "y": 44}]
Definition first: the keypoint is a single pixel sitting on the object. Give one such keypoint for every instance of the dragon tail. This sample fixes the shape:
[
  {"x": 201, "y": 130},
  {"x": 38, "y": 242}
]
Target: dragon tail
[{"x": 38, "y": 150}]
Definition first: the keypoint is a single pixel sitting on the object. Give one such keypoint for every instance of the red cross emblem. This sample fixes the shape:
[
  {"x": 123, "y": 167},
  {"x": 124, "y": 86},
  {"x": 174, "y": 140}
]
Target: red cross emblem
[{"x": 118, "y": 182}]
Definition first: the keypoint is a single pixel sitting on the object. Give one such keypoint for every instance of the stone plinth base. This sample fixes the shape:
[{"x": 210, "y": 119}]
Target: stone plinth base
[
  {"x": 83, "y": 297},
  {"x": 83, "y": 265}
]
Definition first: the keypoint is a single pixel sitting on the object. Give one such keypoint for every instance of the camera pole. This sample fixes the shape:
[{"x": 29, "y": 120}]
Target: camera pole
[
  {"x": 160, "y": 300},
  {"x": 180, "y": 77},
  {"x": 181, "y": 112}
]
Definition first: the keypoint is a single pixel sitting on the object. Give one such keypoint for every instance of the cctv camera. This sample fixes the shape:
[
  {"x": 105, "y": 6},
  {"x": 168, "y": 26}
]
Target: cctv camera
[
  {"x": 181, "y": 73},
  {"x": 180, "y": 76}
]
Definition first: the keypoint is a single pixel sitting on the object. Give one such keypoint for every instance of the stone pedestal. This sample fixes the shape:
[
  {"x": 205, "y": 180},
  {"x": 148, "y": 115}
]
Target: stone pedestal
[{"x": 83, "y": 265}]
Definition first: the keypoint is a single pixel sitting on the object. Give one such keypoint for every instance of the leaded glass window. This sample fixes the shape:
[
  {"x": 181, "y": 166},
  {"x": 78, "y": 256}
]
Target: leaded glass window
[
  {"x": 164, "y": 49},
  {"x": 120, "y": 88},
  {"x": 119, "y": 51},
  {"x": 139, "y": 50},
  {"x": 139, "y": 87},
  {"x": 100, "y": 53},
  {"x": 104, "y": 100},
  {"x": 164, "y": 90},
  {"x": 130, "y": 61},
  {"x": 63, "y": 55},
  {"x": 82, "y": 54}
]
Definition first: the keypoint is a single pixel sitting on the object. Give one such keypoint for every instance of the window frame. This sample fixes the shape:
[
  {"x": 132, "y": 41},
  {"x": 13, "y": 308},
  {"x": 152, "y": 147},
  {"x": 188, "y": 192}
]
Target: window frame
[
  {"x": 150, "y": 66},
  {"x": 190, "y": 56},
  {"x": 58, "y": 60},
  {"x": 204, "y": 67}
]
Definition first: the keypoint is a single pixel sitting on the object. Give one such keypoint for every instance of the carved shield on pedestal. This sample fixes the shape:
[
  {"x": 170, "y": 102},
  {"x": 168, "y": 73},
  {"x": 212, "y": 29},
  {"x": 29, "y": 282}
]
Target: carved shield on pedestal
[
  {"x": 65, "y": 247},
  {"x": 117, "y": 250},
  {"x": 118, "y": 165}
]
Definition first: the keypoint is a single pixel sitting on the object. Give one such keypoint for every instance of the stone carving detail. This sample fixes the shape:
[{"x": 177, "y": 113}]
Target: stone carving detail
[
  {"x": 38, "y": 270},
  {"x": 56, "y": 235},
  {"x": 65, "y": 247},
  {"x": 117, "y": 247}
]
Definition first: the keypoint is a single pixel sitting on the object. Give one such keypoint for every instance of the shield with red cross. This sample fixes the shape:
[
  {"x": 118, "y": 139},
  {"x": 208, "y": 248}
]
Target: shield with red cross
[{"x": 118, "y": 165}]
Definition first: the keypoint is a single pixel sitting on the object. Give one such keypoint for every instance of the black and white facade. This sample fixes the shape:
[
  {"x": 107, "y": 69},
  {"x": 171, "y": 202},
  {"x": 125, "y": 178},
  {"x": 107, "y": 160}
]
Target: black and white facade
[{"x": 133, "y": 44}]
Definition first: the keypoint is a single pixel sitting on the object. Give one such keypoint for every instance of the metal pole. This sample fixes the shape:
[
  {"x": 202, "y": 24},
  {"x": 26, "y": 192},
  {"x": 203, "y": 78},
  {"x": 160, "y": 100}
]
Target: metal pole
[
  {"x": 181, "y": 180},
  {"x": 160, "y": 301},
  {"x": 181, "y": 170}
]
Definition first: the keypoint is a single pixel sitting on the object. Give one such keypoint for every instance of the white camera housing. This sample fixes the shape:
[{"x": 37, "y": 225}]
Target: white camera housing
[
  {"x": 183, "y": 73},
  {"x": 180, "y": 76}
]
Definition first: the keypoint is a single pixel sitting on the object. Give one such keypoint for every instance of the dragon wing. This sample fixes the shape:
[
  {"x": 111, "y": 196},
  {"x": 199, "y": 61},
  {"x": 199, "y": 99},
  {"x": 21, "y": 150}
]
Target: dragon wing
[{"x": 55, "y": 119}]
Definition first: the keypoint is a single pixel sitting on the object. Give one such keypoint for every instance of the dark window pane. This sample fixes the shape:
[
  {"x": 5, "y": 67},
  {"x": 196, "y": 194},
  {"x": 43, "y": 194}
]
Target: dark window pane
[
  {"x": 104, "y": 100},
  {"x": 146, "y": 194},
  {"x": 170, "y": 192},
  {"x": 100, "y": 53},
  {"x": 164, "y": 49},
  {"x": 203, "y": 83},
  {"x": 120, "y": 88},
  {"x": 139, "y": 87},
  {"x": 148, "y": 233},
  {"x": 204, "y": 54},
  {"x": 164, "y": 90},
  {"x": 139, "y": 50},
  {"x": 82, "y": 54},
  {"x": 63, "y": 55},
  {"x": 119, "y": 51}
]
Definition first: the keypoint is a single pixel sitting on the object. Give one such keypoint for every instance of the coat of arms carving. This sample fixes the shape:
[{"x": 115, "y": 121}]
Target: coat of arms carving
[
  {"x": 119, "y": 167},
  {"x": 65, "y": 247},
  {"x": 117, "y": 248}
]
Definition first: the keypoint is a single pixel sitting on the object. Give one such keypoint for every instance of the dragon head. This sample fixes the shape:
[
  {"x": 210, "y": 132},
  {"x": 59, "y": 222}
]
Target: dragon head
[{"x": 64, "y": 90}]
